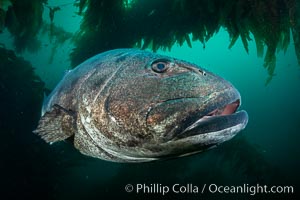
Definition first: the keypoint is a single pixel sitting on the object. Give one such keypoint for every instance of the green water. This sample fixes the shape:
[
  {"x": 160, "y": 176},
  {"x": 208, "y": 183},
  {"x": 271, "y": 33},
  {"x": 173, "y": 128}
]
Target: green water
[{"x": 265, "y": 153}]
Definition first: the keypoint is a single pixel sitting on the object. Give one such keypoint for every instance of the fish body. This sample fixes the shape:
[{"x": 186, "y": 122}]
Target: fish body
[{"x": 129, "y": 105}]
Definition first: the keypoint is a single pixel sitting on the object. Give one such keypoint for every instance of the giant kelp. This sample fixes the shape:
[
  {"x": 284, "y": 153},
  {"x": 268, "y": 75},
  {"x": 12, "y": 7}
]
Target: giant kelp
[
  {"x": 21, "y": 95},
  {"x": 22, "y": 90},
  {"x": 57, "y": 37},
  {"x": 23, "y": 20},
  {"x": 295, "y": 23},
  {"x": 104, "y": 28},
  {"x": 160, "y": 24},
  {"x": 30, "y": 167},
  {"x": 2, "y": 19}
]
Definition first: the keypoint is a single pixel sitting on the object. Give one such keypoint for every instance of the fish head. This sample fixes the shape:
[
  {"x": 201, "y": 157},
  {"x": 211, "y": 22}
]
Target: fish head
[{"x": 162, "y": 107}]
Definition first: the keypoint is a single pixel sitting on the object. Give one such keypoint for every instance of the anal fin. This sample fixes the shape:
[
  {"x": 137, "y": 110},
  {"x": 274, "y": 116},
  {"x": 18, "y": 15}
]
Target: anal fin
[{"x": 57, "y": 124}]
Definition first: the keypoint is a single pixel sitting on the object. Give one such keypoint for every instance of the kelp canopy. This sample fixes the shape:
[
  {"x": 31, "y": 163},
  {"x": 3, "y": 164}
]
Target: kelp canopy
[
  {"x": 159, "y": 24},
  {"x": 162, "y": 23},
  {"x": 24, "y": 20}
]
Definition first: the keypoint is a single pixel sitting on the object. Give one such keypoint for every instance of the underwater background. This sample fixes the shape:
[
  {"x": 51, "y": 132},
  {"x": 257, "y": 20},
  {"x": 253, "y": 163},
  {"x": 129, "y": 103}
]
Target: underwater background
[{"x": 266, "y": 152}]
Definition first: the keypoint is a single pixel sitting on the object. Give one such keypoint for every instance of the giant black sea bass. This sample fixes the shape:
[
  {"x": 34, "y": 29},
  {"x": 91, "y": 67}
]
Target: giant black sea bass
[{"x": 129, "y": 105}]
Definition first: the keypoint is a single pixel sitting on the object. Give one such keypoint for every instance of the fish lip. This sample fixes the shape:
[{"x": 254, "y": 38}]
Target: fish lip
[
  {"x": 222, "y": 106},
  {"x": 207, "y": 124},
  {"x": 216, "y": 112},
  {"x": 218, "y": 101}
]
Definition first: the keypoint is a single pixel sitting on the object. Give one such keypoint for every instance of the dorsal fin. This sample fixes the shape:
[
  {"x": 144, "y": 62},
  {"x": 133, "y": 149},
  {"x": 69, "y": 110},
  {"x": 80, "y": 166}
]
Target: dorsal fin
[{"x": 57, "y": 124}]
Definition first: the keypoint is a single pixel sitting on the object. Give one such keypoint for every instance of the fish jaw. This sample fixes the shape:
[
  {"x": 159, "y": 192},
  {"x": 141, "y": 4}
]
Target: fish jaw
[{"x": 216, "y": 120}]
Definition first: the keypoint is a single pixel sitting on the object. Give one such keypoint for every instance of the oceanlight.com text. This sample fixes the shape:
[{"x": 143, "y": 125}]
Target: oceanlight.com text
[{"x": 189, "y": 188}]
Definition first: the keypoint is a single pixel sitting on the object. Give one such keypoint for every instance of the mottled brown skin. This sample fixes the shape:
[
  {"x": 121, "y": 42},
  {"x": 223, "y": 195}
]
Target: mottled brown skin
[{"x": 125, "y": 111}]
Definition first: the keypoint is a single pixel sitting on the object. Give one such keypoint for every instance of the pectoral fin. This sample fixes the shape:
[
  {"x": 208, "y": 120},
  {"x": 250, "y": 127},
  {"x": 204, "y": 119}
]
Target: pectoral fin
[{"x": 57, "y": 124}]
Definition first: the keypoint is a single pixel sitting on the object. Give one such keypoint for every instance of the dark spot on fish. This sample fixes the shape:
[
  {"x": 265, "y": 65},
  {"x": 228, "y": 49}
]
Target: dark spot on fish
[{"x": 132, "y": 143}]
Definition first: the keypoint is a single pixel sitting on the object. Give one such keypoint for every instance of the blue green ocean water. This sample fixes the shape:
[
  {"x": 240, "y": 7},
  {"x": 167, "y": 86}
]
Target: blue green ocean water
[{"x": 265, "y": 153}]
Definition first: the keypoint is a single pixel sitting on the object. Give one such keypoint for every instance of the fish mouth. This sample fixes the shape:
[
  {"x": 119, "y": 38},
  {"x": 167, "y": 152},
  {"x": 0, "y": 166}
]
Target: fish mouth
[
  {"x": 224, "y": 121},
  {"x": 217, "y": 126},
  {"x": 202, "y": 123}
]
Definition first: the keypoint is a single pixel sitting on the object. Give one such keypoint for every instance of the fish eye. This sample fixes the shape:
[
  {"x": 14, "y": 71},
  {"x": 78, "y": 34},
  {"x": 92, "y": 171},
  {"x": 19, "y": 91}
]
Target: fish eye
[{"x": 160, "y": 66}]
